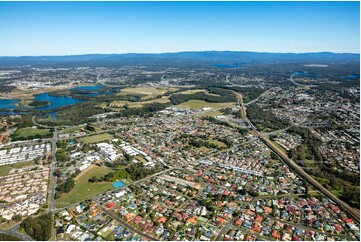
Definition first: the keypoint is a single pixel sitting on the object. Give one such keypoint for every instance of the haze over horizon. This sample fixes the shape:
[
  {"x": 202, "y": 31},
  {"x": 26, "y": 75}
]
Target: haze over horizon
[{"x": 76, "y": 28}]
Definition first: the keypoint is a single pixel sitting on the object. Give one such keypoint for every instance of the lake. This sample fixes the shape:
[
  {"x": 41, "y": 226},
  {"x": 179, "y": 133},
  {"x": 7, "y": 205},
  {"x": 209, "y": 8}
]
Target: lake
[
  {"x": 93, "y": 91},
  {"x": 352, "y": 77},
  {"x": 55, "y": 101},
  {"x": 8, "y": 103},
  {"x": 305, "y": 74}
]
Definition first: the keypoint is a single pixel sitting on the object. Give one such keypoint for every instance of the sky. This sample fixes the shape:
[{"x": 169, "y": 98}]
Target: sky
[{"x": 66, "y": 28}]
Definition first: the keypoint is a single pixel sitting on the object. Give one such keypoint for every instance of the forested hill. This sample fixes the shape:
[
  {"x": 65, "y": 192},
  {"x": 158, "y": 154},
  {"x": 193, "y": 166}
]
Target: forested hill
[{"x": 215, "y": 57}]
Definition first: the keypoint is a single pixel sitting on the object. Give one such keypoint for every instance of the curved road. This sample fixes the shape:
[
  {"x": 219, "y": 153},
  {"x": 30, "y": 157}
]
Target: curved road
[{"x": 298, "y": 84}]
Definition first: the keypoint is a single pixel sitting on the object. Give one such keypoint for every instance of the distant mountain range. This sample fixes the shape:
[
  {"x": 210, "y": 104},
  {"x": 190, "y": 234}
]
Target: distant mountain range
[{"x": 218, "y": 57}]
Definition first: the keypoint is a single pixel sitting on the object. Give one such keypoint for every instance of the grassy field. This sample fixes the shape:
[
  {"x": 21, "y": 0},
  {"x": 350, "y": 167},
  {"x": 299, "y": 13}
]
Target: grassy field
[
  {"x": 71, "y": 129},
  {"x": 145, "y": 92},
  {"x": 28, "y": 132},
  {"x": 218, "y": 143},
  {"x": 83, "y": 188},
  {"x": 96, "y": 138},
  {"x": 197, "y": 90},
  {"x": 4, "y": 170},
  {"x": 212, "y": 113},
  {"x": 139, "y": 104},
  {"x": 130, "y": 104},
  {"x": 196, "y": 104}
]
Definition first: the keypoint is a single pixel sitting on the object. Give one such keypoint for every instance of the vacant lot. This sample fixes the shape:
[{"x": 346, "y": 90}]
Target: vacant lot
[
  {"x": 96, "y": 138},
  {"x": 196, "y": 104},
  {"x": 30, "y": 133},
  {"x": 83, "y": 188},
  {"x": 4, "y": 170}
]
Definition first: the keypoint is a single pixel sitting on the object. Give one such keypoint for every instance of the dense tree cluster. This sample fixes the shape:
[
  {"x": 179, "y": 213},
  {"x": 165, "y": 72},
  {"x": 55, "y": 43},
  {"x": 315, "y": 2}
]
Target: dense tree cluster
[
  {"x": 90, "y": 128},
  {"x": 137, "y": 171},
  {"x": 61, "y": 144},
  {"x": 265, "y": 119},
  {"x": 80, "y": 112},
  {"x": 38, "y": 228},
  {"x": 223, "y": 96},
  {"x": 308, "y": 150},
  {"x": 4, "y": 88},
  {"x": 248, "y": 93},
  {"x": 145, "y": 110},
  {"x": 65, "y": 187},
  {"x": 61, "y": 155},
  {"x": 333, "y": 179},
  {"x": 220, "y": 122},
  {"x": 7, "y": 237},
  {"x": 38, "y": 103}
]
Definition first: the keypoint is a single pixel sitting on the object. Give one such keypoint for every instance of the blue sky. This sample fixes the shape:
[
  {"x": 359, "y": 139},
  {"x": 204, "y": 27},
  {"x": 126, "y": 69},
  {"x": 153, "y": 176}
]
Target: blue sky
[{"x": 62, "y": 28}]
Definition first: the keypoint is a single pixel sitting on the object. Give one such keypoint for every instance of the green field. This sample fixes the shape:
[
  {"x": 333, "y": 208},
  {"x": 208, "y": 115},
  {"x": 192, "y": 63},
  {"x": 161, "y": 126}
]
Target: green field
[
  {"x": 83, "y": 188},
  {"x": 197, "y": 90},
  {"x": 163, "y": 99},
  {"x": 218, "y": 143},
  {"x": 71, "y": 129},
  {"x": 4, "y": 170},
  {"x": 25, "y": 133},
  {"x": 96, "y": 138},
  {"x": 196, "y": 104},
  {"x": 212, "y": 113}
]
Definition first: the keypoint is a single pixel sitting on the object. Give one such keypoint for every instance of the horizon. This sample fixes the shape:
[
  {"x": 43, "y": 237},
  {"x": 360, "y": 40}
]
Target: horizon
[
  {"x": 160, "y": 53},
  {"x": 81, "y": 28}
]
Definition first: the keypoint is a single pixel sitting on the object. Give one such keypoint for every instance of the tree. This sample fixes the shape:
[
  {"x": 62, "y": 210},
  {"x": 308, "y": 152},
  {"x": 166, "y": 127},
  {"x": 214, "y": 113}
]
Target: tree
[
  {"x": 16, "y": 217},
  {"x": 39, "y": 228}
]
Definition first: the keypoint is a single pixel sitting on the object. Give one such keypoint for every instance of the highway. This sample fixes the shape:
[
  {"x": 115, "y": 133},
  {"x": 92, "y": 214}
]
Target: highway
[
  {"x": 259, "y": 97},
  {"x": 353, "y": 212},
  {"x": 298, "y": 84},
  {"x": 52, "y": 179}
]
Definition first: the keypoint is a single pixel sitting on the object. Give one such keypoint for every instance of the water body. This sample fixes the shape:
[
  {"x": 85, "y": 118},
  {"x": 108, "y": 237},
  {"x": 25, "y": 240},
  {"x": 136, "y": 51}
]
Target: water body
[
  {"x": 235, "y": 65},
  {"x": 8, "y": 103},
  {"x": 7, "y": 106},
  {"x": 352, "y": 77},
  {"x": 92, "y": 91},
  {"x": 55, "y": 101},
  {"x": 86, "y": 88},
  {"x": 305, "y": 74}
]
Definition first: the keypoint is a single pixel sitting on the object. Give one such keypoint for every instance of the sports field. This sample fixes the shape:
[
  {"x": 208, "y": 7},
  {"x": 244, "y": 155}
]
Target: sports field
[
  {"x": 83, "y": 188},
  {"x": 96, "y": 138}
]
